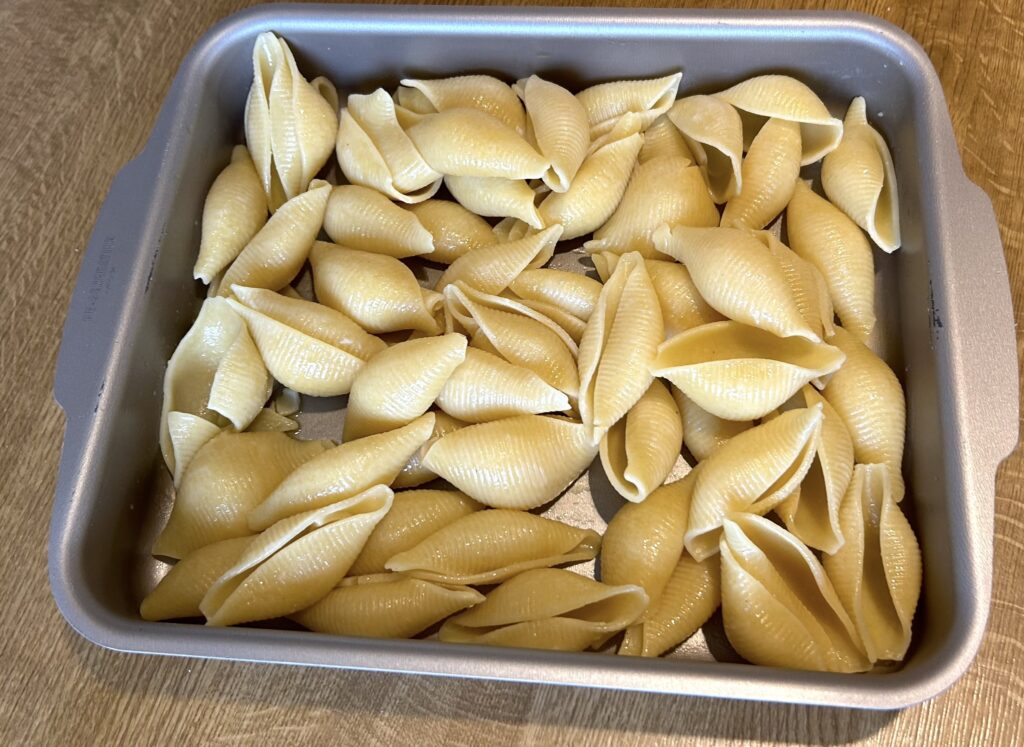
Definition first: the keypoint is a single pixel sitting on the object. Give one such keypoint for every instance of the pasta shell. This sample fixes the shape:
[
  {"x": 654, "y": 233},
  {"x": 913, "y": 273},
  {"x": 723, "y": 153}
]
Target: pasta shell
[
  {"x": 401, "y": 383},
  {"x": 495, "y": 197},
  {"x": 619, "y": 345},
  {"x": 648, "y": 99},
  {"x": 548, "y": 608},
  {"x": 455, "y": 231},
  {"x": 488, "y": 547},
  {"x": 269, "y": 420},
  {"x": 703, "y": 432},
  {"x": 483, "y": 92},
  {"x": 414, "y": 516},
  {"x": 573, "y": 326},
  {"x": 414, "y": 100},
  {"x": 275, "y": 255},
  {"x": 823, "y": 235},
  {"x": 778, "y": 605},
  {"x": 663, "y": 191},
  {"x": 769, "y": 173},
  {"x": 510, "y": 229},
  {"x": 737, "y": 277},
  {"x": 379, "y": 292},
  {"x": 490, "y": 269},
  {"x": 752, "y": 472},
  {"x": 877, "y": 572},
  {"x": 234, "y": 211},
  {"x": 414, "y": 473},
  {"x": 806, "y": 285},
  {"x": 387, "y": 605},
  {"x": 188, "y": 434},
  {"x": 738, "y": 372},
  {"x": 858, "y": 176},
  {"x": 180, "y": 591},
  {"x": 572, "y": 292},
  {"x": 364, "y": 219},
  {"x": 663, "y": 140},
  {"x": 342, "y": 472},
  {"x": 868, "y": 397},
  {"x": 713, "y": 130},
  {"x": 785, "y": 98},
  {"x": 560, "y": 128},
  {"x": 228, "y": 477},
  {"x": 519, "y": 462},
  {"x": 639, "y": 451},
  {"x": 295, "y": 562}
]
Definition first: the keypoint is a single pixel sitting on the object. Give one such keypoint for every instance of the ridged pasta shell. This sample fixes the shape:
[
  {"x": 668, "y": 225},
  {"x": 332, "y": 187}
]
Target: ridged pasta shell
[
  {"x": 548, "y": 608},
  {"x": 295, "y": 562},
  {"x": 769, "y": 173},
  {"x": 386, "y": 605},
  {"x": 858, "y": 176},
  {"x": 663, "y": 140},
  {"x": 605, "y": 103},
  {"x": 703, "y": 432},
  {"x": 413, "y": 99},
  {"x": 229, "y": 476},
  {"x": 342, "y": 472},
  {"x": 520, "y": 462},
  {"x": 778, "y": 605},
  {"x": 454, "y": 229},
  {"x": 487, "y": 547},
  {"x": 877, "y": 572},
  {"x": 639, "y": 451},
  {"x": 495, "y": 197},
  {"x": 823, "y": 235},
  {"x": 234, "y": 211},
  {"x": 269, "y": 420},
  {"x": 559, "y": 127},
  {"x": 663, "y": 191},
  {"x": 510, "y": 229},
  {"x": 713, "y": 130},
  {"x": 783, "y": 97},
  {"x": 362, "y": 218},
  {"x": 738, "y": 372},
  {"x": 573, "y": 326},
  {"x": 414, "y": 473},
  {"x": 752, "y": 472},
  {"x": 619, "y": 345},
  {"x": 737, "y": 277},
  {"x": 483, "y": 92},
  {"x": 188, "y": 434},
  {"x": 401, "y": 383},
  {"x": 182, "y": 589},
  {"x": 806, "y": 284},
  {"x": 490, "y": 269},
  {"x": 378, "y": 292},
  {"x": 414, "y": 516},
  {"x": 868, "y": 397},
  {"x": 572, "y": 292},
  {"x": 278, "y": 251}
]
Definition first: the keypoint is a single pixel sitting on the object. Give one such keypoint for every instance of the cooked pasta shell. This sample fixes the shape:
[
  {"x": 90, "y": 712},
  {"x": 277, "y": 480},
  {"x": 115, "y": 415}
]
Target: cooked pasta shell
[
  {"x": 414, "y": 516},
  {"x": 490, "y": 269},
  {"x": 877, "y": 572},
  {"x": 548, "y": 608},
  {"x": 639, "y": 451},
  {"x": 785, "y": 98},
  {"x": 495, "y": 197},
  {"x": 414, "y": 100},
  {"x": 401, "y": 383},
  {"x": 295, "y": 562},
  {"x": 823, "y": 235},
  {"x": 269, "y": 420},
  {"x": 769, "y": 173},
  {"x": 778, "y": 605},
  {"x": 858, "y": 176},
  {"x": 377, "y": 291},
  {"x": 234, "y": 211},
  {"x": 342, "y": 472},
  {"x": 713, "y": 130},
  {"x": 703, "y": 432},
  {"x": 483, "y": 92},
  {"x": 573, "y": 326},
  {"x": 182, "y": 589},
  {"x": 868, "y": 397},
  {"x": 605, "y": 103},
  {"x": 362, "y": 218},
  {"x": 619, "y": 345},
  {"x": 663, "y": 191},
  {"x": 275, "y": 255},
  {"x": 188, "y": 434},
  {"x": 559, "y": 127},
  {"x": 487, "y": 547},
  {"x": 414, "y": 473},
  {"x": 737, "y": 277},
  {"x": 663, "y": 140},
  {"x": 386, "y": 605},
  {"x": 572, "y": 292},
  {"x": 454, "y": 229},
  {"x": 510, "y": 229},
  {"x": 230, "y": 475},
  {"x": 738, "y": 372},
  {"x": 752, "y": 472},
  {"x": 520, "y": 462},
  {"x": 806, "y": 284}
]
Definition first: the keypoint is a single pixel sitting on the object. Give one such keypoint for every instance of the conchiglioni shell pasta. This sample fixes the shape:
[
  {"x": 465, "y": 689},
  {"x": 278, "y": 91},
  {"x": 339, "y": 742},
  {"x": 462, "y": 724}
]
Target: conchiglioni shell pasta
[
  {"x": 769, "y": 173},
  {"x": 606, "y": 103},
  {"x": 806, "y": 284},
  {"x": 270, "y": 420},
  {"x": 188, "y": 434},
  {"x": 183, "y": 587},
  {"x": 663, "y": 140},
  {"x": 702, "y": 431},
  {"x": 362, "y": 218},
  {"x": 483, "y": 92},
  {"x": 496, "y": 197},
  {"x": 414, "y": 473},
  {"x": 490, "y": 269},
  {"x": 573, "y": 325},
  {"x": 713, "y": 130},
  {"x": 559, "y": 128},
  {"x": 454, "y": 229},
  {"x": 572, "y": 292}
]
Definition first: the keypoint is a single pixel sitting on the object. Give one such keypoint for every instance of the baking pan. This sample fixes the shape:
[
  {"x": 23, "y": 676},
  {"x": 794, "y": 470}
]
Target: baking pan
[{"x": 947, "y": 323}]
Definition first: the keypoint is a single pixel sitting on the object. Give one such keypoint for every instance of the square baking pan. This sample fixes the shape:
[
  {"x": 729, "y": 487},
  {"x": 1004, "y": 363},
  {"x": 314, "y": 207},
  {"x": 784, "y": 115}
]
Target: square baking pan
[{"x": 947, "y": 322}]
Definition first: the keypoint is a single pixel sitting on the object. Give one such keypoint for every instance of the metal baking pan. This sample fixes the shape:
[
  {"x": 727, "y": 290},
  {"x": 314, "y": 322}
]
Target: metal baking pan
[{"x": 948, "y": 326}]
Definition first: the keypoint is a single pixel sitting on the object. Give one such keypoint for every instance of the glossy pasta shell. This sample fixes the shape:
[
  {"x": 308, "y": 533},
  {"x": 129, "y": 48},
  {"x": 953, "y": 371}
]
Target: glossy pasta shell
[
  {"x": 182, "y": 589},
  {"x": 769, "y": 173},
  {"x": 454, "y": 229},
  {"x": 483, "y": 92},
  {"x": 606, "y": 103},
  {"x": 269, "y": 420},
  {"x": 559, "y": 126},
  {"x": 496, "y": 197},
  {"x": 364, "y": 219},
  {"x": 663, "y": 140},
  {"x": 572, "y": 292},
  {"x": 713, "y": 130},
  {"x": 414, "y": 473},
  {"x": 703, "y": 432},
  {"x": 806, "y": 285},
  {"x": 490, "y": 269},
  {"x": 188, "y": 434}
]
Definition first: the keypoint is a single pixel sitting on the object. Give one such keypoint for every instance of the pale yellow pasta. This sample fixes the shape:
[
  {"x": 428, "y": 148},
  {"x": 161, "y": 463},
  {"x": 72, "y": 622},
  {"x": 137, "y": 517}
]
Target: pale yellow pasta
[
  {"x": 519, "y": 462},
  {"x": 414, "y": 473},
  {"x": 778, "y": 605},
  {"x": 663, "y": 140},
  {"x": 487, "y": 547},
  {"x": 559, "y": 128},
  {"x": 295, "y": 562},
  {"x": 769, "y": 173},
  {"x": 752, "y": 472},
  {"x": 573, "y": 326},
  {"x": 572, "y": 292},
  {"x": 342, "y": 472},
  {"x": 605, "y": 103},
  {"x": 490, "y": 269},
  {"x": 180, "y": 591},
  {"x": 703, "y": 432},
  {"x": 414, "y": 100},
  {"x": 806, "y": 284},
  {"x": 401, "y": 383},
  {"x": 234, "y": 211},
  {"x": 510, "y": 229},
  {"x": 362, "y": 218},
  {"x": 496, "y": 197},
  {"x": 271, "y": 420},
  {"x": 454, "y": 229},
  {"x": 188, "y": 434},
  {"x": 548, "y": 608},
  {"x": 858, "y": 176},
  {"x": 483, "y": 92},
  {"x": 713, "y": 130}
]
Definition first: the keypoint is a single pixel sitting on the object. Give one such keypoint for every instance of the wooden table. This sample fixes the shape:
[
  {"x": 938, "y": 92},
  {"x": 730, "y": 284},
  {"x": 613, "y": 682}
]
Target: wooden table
[{"x": 80, "y": 86}]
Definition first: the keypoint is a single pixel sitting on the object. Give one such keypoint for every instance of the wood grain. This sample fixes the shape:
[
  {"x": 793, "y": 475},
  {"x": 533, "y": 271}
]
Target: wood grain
[{"x": 80, "y": 86}]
